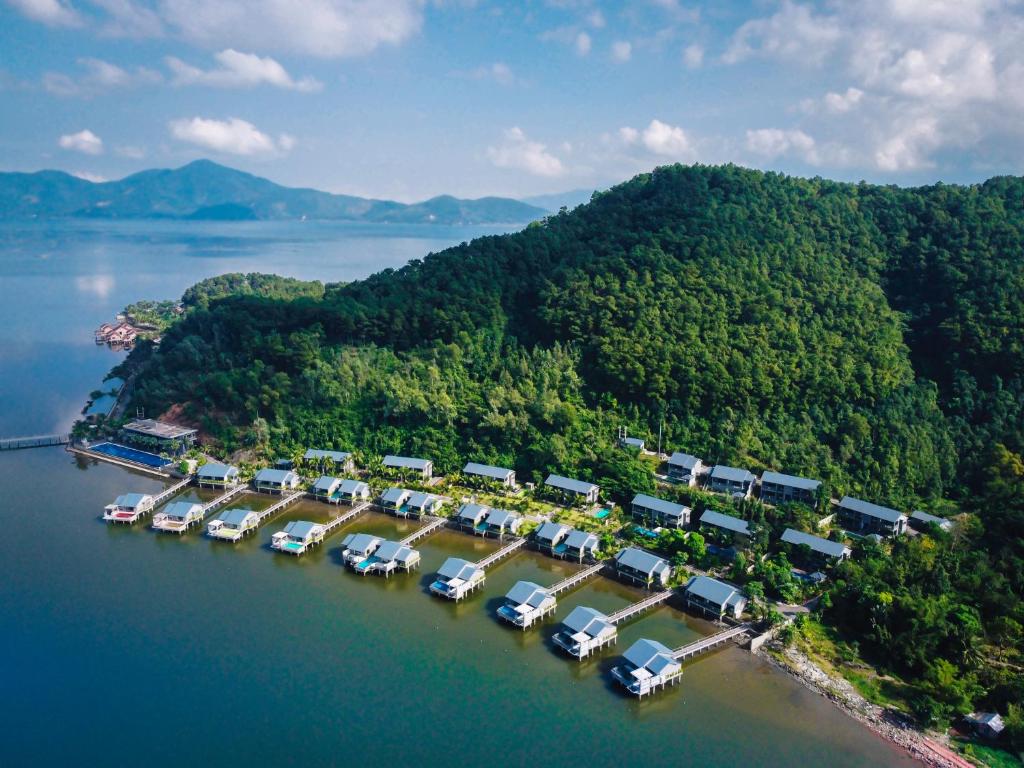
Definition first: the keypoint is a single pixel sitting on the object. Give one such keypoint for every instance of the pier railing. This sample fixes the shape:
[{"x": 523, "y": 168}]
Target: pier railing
[
  {"x": 34, "y": 441},
  {"x": 273, "y": 509},
  {"x": 707, "y": 643},
  {"x": 341, "y": 519},
  {"x": 639, "y": 607},
  {"x": 577, "y": 578},
  {"x": 502, "y": 553},
  {"x": 224, "y": 498},
  {"x": 435, "y": 524},
  {"x": 168, "y": 492}
]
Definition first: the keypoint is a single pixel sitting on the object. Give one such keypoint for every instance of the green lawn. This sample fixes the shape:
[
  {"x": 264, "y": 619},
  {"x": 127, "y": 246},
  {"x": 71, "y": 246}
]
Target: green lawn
[{"x": 982, "y": 754}]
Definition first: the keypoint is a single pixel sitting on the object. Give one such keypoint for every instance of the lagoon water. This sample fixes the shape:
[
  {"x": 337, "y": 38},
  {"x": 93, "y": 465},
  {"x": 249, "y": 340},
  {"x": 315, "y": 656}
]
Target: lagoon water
[{"x": 123, "y": 647}]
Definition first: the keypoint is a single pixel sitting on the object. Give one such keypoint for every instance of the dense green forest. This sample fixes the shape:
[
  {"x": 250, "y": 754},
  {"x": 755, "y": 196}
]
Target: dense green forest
[{"x": 872, "y": 337}]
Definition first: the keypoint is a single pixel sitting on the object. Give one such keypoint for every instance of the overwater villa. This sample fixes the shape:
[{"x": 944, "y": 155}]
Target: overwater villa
[
  {"x": 357, "y": 549},
  {"x": 394, "y": 501},
  {"x": 457, "y": 578},
  {"x": 420, "y": 504},
  {"x": 498, "y": 522},
  {"x": 352, "y": 491},
  {"x": 325, "y": 489},
  {"x": 641, "y": 567},
  {"x": 470, "y": 517},
  {"x": 579, "y": 546},
  {"x": 550, "y": 536},
  {"x": 178, "y": 517},
  {"x": 216, "y": 475},
  {"x": 275, "y": 481},
  {"x": 128, "y": 508},
  {"x": 339, "y": 461},
  {"x": 298, "y": 537},
  {"x": 585, "y": 631},
  {"x": 647, "y": 666},
  {"x": 526, "y": 603},
  {"x": 409, "y": 466},
  {"x": 233, "y": 524},
  {"x": 394, "y": 555}
]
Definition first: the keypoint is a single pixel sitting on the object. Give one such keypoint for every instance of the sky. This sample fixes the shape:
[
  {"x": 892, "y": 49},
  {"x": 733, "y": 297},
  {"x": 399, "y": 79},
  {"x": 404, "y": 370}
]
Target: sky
[{"x": 406, "y": 99}]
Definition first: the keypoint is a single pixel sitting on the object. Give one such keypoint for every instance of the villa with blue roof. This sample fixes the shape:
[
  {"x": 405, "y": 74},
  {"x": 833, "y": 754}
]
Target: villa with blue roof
[
  {"x": 647, "y": 666},
  {"x": 357, "y": 550},
  {"x": 684, "y": 468},
  {"x": 733, "y": 528},
  {"x": 325, "y": 489},
  {"x": 216, "y": 475},
  {"x": 178, "y": 517},
  {"x": 580, "y": 546},
  {"x": 457, "y": 578},
  {"x": 394, "y": 500},
  {"x": 641, "y": 567},
  {"x": 658, "y": 512},
  {"x": 233, "y": 524},
  {"x": 338, "y": 461},
  {"x": 408, "y": 466},
  {"x": 526, "y": 603},
  {"x": 822, "y": 550},
  {"x": 470, "y": 517},
  {"x": 498, "y": 522},
  {"x": 298, "y": 537},
  {"x": 490, "y": 474},
  {"x": 550, "y": 536},
  {"x": 420, "y": 504},
  {"x": 585, "y": 631},
  {"x": 394, "y": 555},
  {"x": 352, "y": 491},
  {"x": 275, "y": 481},
  {"x": 865, "y": 518},
  {"x": 713, "y": 598},
  {"x": 579, "y": 491},
  {"x": 738, "y": 483},
  {"x": 128, "y": 508},
  {"x": 777, "y": 488}
]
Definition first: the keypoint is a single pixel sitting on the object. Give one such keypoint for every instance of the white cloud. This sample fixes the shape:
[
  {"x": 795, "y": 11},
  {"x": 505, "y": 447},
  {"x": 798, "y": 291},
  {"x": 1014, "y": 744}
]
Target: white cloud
[
  {"x": 130, "y": 151},
  {"x": 499, "y": 72},
  {"x": 55, "y": 13},
  {"x": 668, "y": 140},
  {"x": 520, "y": 153},
  {"x": 629, "y": 135},
  {"x": 693, "y": 56},
  {"x": 793, "y": 32},
  {"x": 908, "y": 148},
  {"x": 622, "y": 50},
  {"x": 325, "y": 28},
  {"x": 84, "y": 141},
  {"x": 98, "y": 75},
  {"x": 239, "y": 70},
  {"x": 775, "y": 142},
  {"x": 583, "y": 43},
  {"x": 127, "y": 18},
  {"x": 232, "y": 136},
  {"x": 596, "y": 19},
  {"x": 837, "y": 103}
]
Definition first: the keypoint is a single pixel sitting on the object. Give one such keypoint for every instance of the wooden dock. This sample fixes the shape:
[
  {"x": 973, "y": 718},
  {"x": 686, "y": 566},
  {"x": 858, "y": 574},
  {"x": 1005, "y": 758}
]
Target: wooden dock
[
  {"x": 501, "y": 554},
  {"x": 639, "y": 607},
  {"x": 707, "y": 643},
  {"x": 223, "y": 499},
  {"x": 435, "y": 524},
  {"x": 34, "y": 441},
  {"x": 340, "y": 520},
  {"x": 167, "y": 493},
  {"x": 273, "y": 509},
  {"x": 575, "y": 580}
]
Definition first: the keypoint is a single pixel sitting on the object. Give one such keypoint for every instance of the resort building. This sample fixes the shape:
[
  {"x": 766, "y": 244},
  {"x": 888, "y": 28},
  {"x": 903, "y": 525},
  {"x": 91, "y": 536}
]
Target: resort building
[
  {"x": 297, "y": 537},
  {"x": 457, "y": 578},
  {"x": 580, "y": 491},
  {"x": 233, "y": 524},
  {"x": 352, "y": 491},
  {"x": 822, "y": 550},
  {"x": 714, "y": 598},
  {"x": 325, "y": 488},
  {"x": 738, "y": 483},
  {"x": 716, "y": 523},
  {"x": 684, "y": 468},
  {"x": 647, "y": 666},
  {"x": 498, "y": 522},
  {"x": 178, "y": 517},
  {"x": 128, "y": 508},
  {"x": 580, "y": 546},
  {"x": 658, "y": 512},
  {"x": 393, "y": 555},
  {"x": 866, "y": 518},
  {"x": 633, "y": 442},
  {"x": 470, "y": 517},
  {"x": 159, "y": 436},
  {"x": 421, "y": 504},
  {"x": 777, "y": 488},
  {"x": 585, "y": 631},
  {"x": 338, "y": 461},
  {"x": 641, "y": 567},
  {"x": 394, "y": 500},
  {"x": 275, "y": 481},
  {"x": 526, "y": 603},
  {"x": 215, "y": 475},
  {"x": 357, "y": 548},
  {"x": 920, "y": 521},
  {"x": 549, "y": 536},
  {"x": 487, "y": 473},
  {"x": 408, "y": 466}
]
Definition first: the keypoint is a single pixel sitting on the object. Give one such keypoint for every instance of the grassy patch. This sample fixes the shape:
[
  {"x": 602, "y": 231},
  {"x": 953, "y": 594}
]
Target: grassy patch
[{"x": 983, "y": 754}]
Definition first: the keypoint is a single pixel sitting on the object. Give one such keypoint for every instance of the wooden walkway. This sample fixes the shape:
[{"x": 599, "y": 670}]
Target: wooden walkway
[
  {"x": 273, "y": 509},
  {"x": 639, "y": 607},
  {"x": 435, "y": 524},
  {"x": 224, "y": 498},
  {"x": 35, "y": 441},
  {"x": 165, "y": 494},
  {"x": 575, "y": 580},
  {"x": 340, "y": 520},
  {"x": 502, "y": 553},
  {"x": 707, "y": 643}
]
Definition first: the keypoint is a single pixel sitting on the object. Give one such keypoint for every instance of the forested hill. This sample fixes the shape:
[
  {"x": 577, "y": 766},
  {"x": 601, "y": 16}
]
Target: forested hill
[{"x": 870, "y": 336}]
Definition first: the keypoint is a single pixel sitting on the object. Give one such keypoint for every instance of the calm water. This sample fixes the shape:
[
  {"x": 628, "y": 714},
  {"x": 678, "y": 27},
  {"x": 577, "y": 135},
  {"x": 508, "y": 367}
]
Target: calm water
[{"x": 122, "y": 647}]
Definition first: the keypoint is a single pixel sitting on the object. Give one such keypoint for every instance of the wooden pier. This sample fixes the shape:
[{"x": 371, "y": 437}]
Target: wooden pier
[
  {"x": 223, "y": 499},
  {"x": 340, "y": 520},
  {"x": 167, "y": 493},
  {"x": 707, "y": 643},
  {"x": 34, "y": 441},
  {"x": 273, "y": 509},
  {"x": 575, "y": 580},
  {"x": 501, "y": 554},
  {"x": 639, "y": 607},
  {"x": 435, "y": 524}
]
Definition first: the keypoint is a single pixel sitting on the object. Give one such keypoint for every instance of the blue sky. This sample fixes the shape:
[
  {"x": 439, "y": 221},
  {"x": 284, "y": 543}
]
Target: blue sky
[{"x": 406, "y": 99}]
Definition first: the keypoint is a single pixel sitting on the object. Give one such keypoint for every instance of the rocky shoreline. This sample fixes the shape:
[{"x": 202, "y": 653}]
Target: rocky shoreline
[{"x": 890, "y": 725}]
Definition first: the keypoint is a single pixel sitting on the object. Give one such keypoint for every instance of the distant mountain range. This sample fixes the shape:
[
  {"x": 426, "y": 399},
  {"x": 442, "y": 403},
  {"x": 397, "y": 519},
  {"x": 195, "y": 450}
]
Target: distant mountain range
[{"x": 205, "y": 190}]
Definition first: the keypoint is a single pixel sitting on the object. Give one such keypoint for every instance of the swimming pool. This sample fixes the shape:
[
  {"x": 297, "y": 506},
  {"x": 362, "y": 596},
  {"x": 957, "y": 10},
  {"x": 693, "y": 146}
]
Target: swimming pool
[
  {"x": 601, "y": 514},
  {"x": 130, "y": 454}
]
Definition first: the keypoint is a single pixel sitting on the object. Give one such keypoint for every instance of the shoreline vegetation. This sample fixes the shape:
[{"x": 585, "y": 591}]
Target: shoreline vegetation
[{"x": 870, "y": 337}]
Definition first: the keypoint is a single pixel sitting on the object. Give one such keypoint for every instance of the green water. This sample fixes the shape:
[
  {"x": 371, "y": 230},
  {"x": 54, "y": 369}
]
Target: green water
[{"x": 124, "y": 647}]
